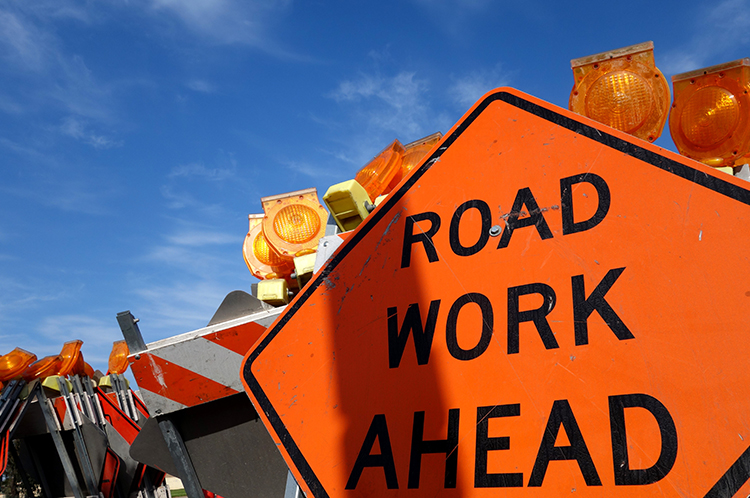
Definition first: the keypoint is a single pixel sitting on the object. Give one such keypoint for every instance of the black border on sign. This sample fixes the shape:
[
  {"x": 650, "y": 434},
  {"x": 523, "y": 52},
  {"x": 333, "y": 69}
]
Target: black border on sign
[{"x": 682, "y": 170}]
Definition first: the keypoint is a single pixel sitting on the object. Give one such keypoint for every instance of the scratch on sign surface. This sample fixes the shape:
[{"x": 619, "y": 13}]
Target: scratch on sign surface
[{"x": 158, "y": 373}]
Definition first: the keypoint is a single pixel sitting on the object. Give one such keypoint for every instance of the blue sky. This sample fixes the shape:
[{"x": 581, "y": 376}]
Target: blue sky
[{"x": 137, "y": 135}]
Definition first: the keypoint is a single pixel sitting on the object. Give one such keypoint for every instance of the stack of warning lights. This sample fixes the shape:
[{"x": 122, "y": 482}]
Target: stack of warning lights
[
  {"x": 280, "y": 247},
  {"x": 710, "y": 114},
  {"x": 21, "y": 364},
  {"x": 73, "y": 398},
  {"x": 623, "y": 89}
]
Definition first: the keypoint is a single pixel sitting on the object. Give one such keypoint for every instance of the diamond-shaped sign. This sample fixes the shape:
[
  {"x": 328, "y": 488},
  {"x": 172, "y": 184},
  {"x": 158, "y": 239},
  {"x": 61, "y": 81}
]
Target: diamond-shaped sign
[{"x": 545, "y": 307}]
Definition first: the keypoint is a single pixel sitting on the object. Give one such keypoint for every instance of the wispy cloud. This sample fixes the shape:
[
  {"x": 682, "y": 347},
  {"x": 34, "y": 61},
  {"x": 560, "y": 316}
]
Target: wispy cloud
[
  {"x": 452, "y": 16},
  {"x": 246, "y": 22},
  {"x": 198, "y": 264},
  {"x": 455, "y": 4},
  {"x": 199, "y": 170},
  {"x": 77, "y": 192},
  {"x": 197, "y": 237},
  {"x": 380, "y": 108},
  {"x": 201, "y": 86},
  {"x": 716, "y": 31},
  {"x": 75, "y": 196},
  {"x": 47, "y": 80},
  {"x": 313, "y": 171},
  {"x": 394, "y": 103},
  {"x": 75, "y": 128},
  {"x": 96, "y": 333},
  {"x": 176, "y": 307},
  {"x": 22, "y": 44},
  {"x": 468, "y": 89}
]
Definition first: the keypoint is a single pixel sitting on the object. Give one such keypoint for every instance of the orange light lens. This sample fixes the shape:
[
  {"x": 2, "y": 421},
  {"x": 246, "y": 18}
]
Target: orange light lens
[
  {"x": 264, "y": 252},
  {"x": 294, "y": 222},
  {"x": 87, "y": 370},
  {"x": 261, "y": 259},
  {"x": 70, "y": 354},
  {"x": 377, "y": 175},
  {"x": 14, "y": 363},
  {"x": 118, "y": 358},
  {"x": 623, "y": 89},
  {"x": 710, "y": 118},
  {"x": 414, "y": 153},
  {"x": 49, "y": 365},
  {"x": 620, "y": 99}
]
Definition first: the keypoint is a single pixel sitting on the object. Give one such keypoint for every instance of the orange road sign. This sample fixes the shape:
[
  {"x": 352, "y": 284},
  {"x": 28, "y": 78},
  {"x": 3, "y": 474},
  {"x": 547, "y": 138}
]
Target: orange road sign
[{"x": 544, "y": 307}]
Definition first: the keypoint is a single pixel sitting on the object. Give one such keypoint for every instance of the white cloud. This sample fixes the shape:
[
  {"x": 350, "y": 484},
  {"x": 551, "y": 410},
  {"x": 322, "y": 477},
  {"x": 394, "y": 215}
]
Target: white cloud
[
  {"x": 77, "y": 195},
  {"x": 468, "y": 89},
  {"x": 21, "y": 43},
  {"x": 46, "y": 79},
  {"x": 245, "y": 22},
  {"x": 75, "y": 128},
  {"x": 201, "y": 237},
  {"x": 97, "y": 336},
  {"x": 310, "y": 170},
  {"x": 717, "y": 30},
  {"x": 394, "y": 104},
  {"x": 176, "y": 307},
  {"x": 194, "y": 265},
  {"x": 201, "y": 86},
  {"x": 457, "y": 5},
  {"x": 199, "y": 170}
]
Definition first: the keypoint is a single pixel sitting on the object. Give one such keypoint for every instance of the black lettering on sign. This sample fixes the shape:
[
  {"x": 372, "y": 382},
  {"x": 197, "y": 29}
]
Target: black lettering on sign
[
  {"x": 425, "y": 238},
  {"x": 566, "y": 199},
  {"x": 451, "y": 332},
  {"x": 524, "y": 197},
  {"x": 538, "y": 316},
  {"x": 378, "y": 430},
  {"x": 562, "y": 416},
  {"x": 484, "y": 234},
  {"x": 624, "y": 475},
  {"x": 486, "y": 444},
  {"x": 583, "y": 307},
  {"x": 422, "y": 334},
  {"x": 449, "y": 446}
]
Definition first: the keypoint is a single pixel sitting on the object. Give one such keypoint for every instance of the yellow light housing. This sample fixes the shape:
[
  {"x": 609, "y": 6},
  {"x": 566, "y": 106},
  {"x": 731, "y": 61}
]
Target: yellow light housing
[
  {"x": 261, "y": 259},
  {"x": 49, "y": 365},
  {"x": 710, "y": 119},
  {"x": 623, "y": 89},
  {"x": 294, "y": 222},
  {"x": 118, "y": 358},
  {"x": 377, "y": 176},
  {"x": 303, "y": 268},
  {"x": 346, "y": 202},
  {"x": 14, "y": 363},
  {"x": 71, "y": 356},
  {"x": 53, "y": 382},
  {"x": 274, "y": 292}
]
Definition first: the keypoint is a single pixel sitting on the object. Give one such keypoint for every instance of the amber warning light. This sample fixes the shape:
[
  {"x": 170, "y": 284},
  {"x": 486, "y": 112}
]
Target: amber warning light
[
  {"x": 709, "y": 120},
  {"x": 623, "y": 89},
  {"x": 294, "y": 222},
  {"x": 262, "y": 259}
]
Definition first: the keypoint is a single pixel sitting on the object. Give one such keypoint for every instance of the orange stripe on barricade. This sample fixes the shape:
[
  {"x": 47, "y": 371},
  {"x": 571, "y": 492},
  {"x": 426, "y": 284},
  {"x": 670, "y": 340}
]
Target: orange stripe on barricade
[
  {"x": 4, "y": 451},
  {"x": 238, "y": 339},
  {"x": 110, "y": 470},
  {"x": 175, "y": 382},
  {"x": 117, "y": 418}
]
